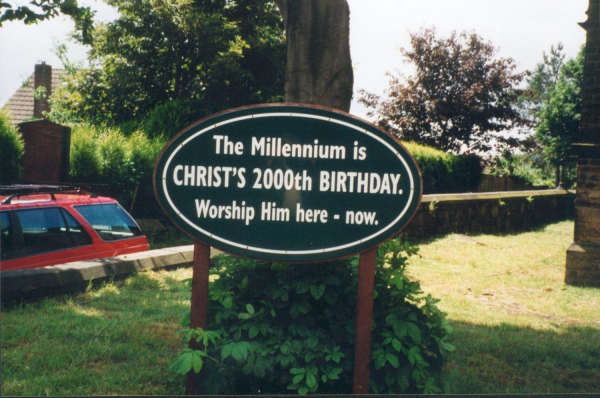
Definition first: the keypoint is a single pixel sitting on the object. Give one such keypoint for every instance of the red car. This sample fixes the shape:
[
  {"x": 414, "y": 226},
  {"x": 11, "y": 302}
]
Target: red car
[{"x": 41, "y": 229}]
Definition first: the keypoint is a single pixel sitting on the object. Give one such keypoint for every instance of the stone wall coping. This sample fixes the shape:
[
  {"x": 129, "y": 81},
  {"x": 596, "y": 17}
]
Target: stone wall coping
[
  {"x": 455, "y": 197},
  {"x": 140, "y": 260},
  {"x": 23, "y": 282}
]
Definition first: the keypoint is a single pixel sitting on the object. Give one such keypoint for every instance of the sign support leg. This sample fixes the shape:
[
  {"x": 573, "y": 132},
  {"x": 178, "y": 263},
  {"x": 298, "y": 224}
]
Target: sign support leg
[
  {"x": 364, "y": 321},
  {"x": 199, "y": 304}
]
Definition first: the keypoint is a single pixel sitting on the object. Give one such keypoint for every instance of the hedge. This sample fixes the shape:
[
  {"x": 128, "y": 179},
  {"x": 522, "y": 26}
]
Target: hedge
[
  {"x": 12, "y": 149},
  {"x": 106, "y": 156},
  {"x": 446, "y": 173}
]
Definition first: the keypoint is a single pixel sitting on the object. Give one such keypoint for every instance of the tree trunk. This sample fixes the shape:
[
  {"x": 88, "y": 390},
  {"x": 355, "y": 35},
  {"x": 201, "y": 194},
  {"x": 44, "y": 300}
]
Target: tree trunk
[{"x": 319, "y": 67}]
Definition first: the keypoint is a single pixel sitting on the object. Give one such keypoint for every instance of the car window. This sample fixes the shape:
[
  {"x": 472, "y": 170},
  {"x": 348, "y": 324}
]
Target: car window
[
  {"x": 110, "y": 221},
  {"x": 47, "y": 230},
  {"x": 6, "y": 236},
  {"x": 78, "y": 235}
]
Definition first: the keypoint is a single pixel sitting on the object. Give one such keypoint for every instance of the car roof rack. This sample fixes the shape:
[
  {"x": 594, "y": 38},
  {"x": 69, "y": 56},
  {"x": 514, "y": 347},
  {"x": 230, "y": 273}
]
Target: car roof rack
[
  {"x": 34, "y": 187},
  {"x": 26, "y": 190}
]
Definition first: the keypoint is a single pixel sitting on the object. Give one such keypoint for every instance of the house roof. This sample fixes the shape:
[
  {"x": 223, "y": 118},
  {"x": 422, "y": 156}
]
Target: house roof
[{"x": 20, "y": 105}]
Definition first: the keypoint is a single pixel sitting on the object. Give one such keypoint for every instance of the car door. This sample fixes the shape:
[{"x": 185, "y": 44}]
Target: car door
[{"x": 42, "y": 236}]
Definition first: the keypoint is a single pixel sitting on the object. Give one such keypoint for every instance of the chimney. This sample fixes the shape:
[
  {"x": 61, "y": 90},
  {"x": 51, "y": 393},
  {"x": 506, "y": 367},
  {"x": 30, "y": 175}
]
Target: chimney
[{"x": 42, "y": 78}]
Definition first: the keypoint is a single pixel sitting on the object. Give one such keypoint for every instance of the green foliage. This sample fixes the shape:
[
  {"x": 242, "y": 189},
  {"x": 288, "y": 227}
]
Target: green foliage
[
  {"x": 211, "y": 53},
  {"x": 130, "y": 127},
  {"x": 559, "y": 117},
  {"x": 166, "y": 120},
  {"x": 45, "y": 9},
  {"x": 443, "y": 172},
  {"x": 460, "y": 96},
  {"x": 531, "y": 167},
  {"x": 554, "y": 98},
  {"x": 39, "y": 93},
  {"x": 281, "y": 327},
  {"x": 115, "y": 162},
  {"x": 107, "y": 156},
  {"x": 189, "y": 358},
  {"x": 12, "y": 149},
  {"x": 543, "y": 79},
  {"x": 85, "y": 157}
]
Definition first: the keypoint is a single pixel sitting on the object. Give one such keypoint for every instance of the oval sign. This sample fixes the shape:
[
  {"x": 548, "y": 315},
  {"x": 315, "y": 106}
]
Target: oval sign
[{"x": 287, "y": 183}]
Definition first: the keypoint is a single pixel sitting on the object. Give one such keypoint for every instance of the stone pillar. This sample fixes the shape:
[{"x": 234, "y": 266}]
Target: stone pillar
[
  {"x": 583, "y": 257},
  {"x": 42, "y": 78}
]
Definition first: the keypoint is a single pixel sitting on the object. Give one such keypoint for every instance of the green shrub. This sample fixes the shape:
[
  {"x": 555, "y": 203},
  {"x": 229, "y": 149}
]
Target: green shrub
[
  {"x": 167, "y": 119},
  {"x": 530, "y": 167},
  {"x": 275, "y": 328},
  {"x": 465, "y": 175},
  {"x": 85, "y": 158},
  {"x": 107, "y": 156},
  {"x": 130, "y": 127},
  {"x": 444, "y": 172},
  {"x": 115, "y": 162},
  {"x": 12, "y": 149},
  {"x": 142, "y": 155}
]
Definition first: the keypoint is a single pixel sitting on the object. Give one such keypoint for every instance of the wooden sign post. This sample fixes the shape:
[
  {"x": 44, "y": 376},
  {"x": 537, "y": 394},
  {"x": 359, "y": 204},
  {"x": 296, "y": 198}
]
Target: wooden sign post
[
  {"x": 364, "y": 321},
  {"x": 272, "y": 182},
  {"x": 199, "y": 304}
]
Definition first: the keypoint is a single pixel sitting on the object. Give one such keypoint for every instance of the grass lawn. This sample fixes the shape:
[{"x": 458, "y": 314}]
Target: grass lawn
[{"x": 517, "y": 327}]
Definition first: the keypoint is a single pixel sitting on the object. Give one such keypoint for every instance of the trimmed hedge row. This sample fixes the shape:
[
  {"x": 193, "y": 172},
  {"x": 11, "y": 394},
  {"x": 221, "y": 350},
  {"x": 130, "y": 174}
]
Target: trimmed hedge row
[
  {"x": 446, "y": 173},
  {"x": 11, "y": 150},
  {"x": 107, "y": 156}
]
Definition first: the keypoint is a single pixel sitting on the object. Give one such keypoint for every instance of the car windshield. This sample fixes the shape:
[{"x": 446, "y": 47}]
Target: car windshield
[{"x": 110, "y": 221}]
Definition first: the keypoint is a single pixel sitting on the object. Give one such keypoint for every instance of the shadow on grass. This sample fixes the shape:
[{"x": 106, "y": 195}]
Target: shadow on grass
[{"x": 515, "y": 360}]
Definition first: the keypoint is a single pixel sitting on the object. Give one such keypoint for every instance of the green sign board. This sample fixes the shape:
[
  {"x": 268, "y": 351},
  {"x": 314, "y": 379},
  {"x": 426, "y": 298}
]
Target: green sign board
[{"x": 287, "y": 183}]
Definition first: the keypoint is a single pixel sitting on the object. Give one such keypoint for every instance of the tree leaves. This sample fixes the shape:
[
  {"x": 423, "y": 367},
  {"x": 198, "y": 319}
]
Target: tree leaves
[
  {"x": 317, "y": 291},
  {"x": 240, "y": 351},
  {"x": 187, "y": 360},
  {"x": 460, "y": 95},
  {"x": 158, "y": 52},
  {"x": 560, "y": 110},
  {"x": 298, "y": 378},
  {"x": 392, "y": 359}
]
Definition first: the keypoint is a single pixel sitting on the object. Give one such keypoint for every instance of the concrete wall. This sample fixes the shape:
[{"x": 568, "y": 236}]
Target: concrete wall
[{"x": 500, "y": 212}]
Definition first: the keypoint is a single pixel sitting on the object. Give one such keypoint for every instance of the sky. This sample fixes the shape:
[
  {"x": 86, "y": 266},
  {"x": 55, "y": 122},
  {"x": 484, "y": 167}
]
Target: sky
[{"x": 520, "y": 29}]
